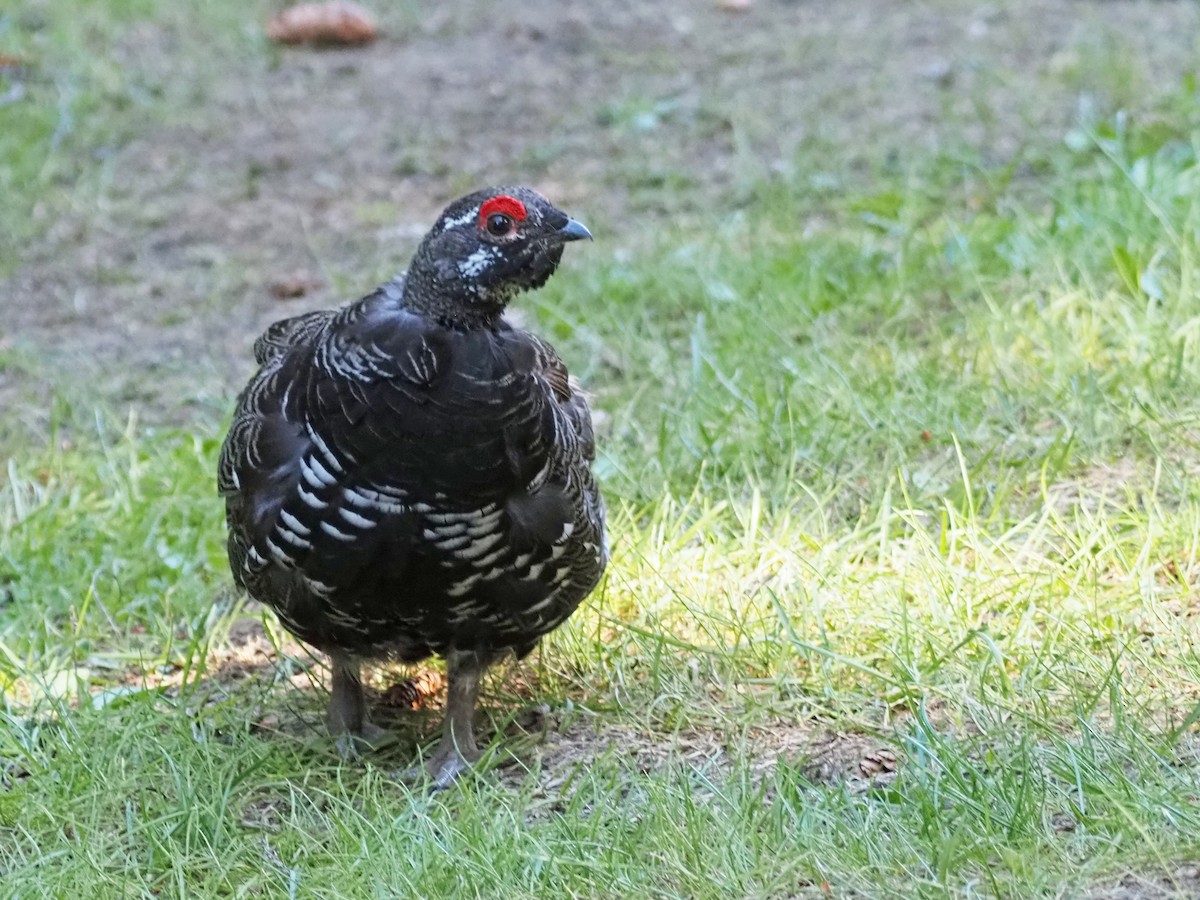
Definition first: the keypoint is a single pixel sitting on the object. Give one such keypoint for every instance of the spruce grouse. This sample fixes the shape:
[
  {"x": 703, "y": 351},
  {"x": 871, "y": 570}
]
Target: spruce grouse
[{"x": 411, "y": 474}]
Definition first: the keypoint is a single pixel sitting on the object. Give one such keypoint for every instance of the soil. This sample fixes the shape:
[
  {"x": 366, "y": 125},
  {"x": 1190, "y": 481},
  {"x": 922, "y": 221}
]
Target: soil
[
  {"x": 1176, "y": 883},
  {"x": 300, "y": 178}
]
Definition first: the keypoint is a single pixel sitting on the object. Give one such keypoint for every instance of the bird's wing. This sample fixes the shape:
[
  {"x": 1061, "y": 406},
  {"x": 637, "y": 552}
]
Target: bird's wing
[
  {"x": 379, "y": 435},
  {"x": 281, "y": 336},
  {"x": 566, "y": 393}
]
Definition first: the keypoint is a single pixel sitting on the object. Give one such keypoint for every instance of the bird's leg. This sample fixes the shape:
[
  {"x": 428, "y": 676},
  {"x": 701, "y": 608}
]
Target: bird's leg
[
  {"x": 457, "y": 750},
  {"x": 347, "y": 714}
]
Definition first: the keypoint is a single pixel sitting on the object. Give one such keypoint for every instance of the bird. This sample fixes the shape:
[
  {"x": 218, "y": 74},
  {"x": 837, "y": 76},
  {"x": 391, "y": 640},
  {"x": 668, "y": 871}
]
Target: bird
[{"x": 410, "y": 474}]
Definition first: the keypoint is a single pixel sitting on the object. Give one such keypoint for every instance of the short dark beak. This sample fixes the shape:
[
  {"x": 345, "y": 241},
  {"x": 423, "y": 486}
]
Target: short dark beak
[{"x": 574, "y": 231}]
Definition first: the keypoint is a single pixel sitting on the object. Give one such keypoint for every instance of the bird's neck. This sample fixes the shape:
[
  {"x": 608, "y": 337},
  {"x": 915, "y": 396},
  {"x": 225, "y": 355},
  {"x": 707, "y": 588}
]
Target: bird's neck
[{"x": 440, "y": 292}]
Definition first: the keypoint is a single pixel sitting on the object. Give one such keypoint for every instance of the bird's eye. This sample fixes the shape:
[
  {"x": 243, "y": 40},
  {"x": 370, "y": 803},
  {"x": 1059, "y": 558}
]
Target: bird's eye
[{"x": 498, "y": 224}]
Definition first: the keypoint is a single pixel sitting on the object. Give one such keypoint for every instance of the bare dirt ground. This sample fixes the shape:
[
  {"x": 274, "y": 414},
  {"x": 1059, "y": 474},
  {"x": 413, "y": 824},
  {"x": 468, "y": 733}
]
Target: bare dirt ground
[{"x": 325, "y": 167}]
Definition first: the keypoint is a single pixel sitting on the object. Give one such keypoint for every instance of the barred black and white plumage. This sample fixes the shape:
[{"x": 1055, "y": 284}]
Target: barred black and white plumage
[{"x": 410, "y": 474}]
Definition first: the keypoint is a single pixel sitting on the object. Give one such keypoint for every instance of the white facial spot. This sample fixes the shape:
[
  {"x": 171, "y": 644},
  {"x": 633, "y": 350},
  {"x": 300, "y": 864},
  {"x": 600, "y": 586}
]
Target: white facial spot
[
  {"x": 469, "y": 216},
  {"x": 474, "y": 265}
]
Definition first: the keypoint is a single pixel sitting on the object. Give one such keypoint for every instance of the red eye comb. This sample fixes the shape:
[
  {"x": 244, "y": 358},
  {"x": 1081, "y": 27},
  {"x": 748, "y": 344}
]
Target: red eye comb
[{"x": 509, "y": 206}]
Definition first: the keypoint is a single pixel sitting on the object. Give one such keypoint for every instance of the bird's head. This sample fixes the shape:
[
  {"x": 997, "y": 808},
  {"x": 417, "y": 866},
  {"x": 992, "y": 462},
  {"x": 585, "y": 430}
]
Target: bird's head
[{"x": 485, "y": 248}]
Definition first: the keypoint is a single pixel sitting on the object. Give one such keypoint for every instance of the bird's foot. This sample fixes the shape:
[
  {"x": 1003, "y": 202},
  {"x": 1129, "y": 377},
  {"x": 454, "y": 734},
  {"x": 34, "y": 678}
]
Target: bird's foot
[
  {"x": 352, "y": 745},
  {"x": 457, "y": 752},
  {"x": 445, "y": 767},
  {"x": 448, "y": 764}
]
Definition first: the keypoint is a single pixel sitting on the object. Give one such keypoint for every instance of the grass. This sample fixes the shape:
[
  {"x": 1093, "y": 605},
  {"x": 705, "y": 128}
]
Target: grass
[
  {"x": 904, "y": 463},
  {"x": 90, "y": 82}
]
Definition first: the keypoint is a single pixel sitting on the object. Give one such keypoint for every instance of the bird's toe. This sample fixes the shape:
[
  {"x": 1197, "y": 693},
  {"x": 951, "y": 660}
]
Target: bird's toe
[
  {"x": 441, "y": 771},
  {"x": 352, "y": 745}
]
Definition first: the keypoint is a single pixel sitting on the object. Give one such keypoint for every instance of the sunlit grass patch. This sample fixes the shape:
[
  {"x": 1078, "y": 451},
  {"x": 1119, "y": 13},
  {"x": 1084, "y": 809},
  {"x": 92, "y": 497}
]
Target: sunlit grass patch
[{"x": 107, "y": 556}]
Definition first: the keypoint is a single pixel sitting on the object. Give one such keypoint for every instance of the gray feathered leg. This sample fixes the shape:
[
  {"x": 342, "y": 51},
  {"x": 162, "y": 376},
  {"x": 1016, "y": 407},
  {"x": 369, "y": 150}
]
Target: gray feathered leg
[
  {"x": 458, "y": 750},
  {"x": 347, "y": 714}
]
